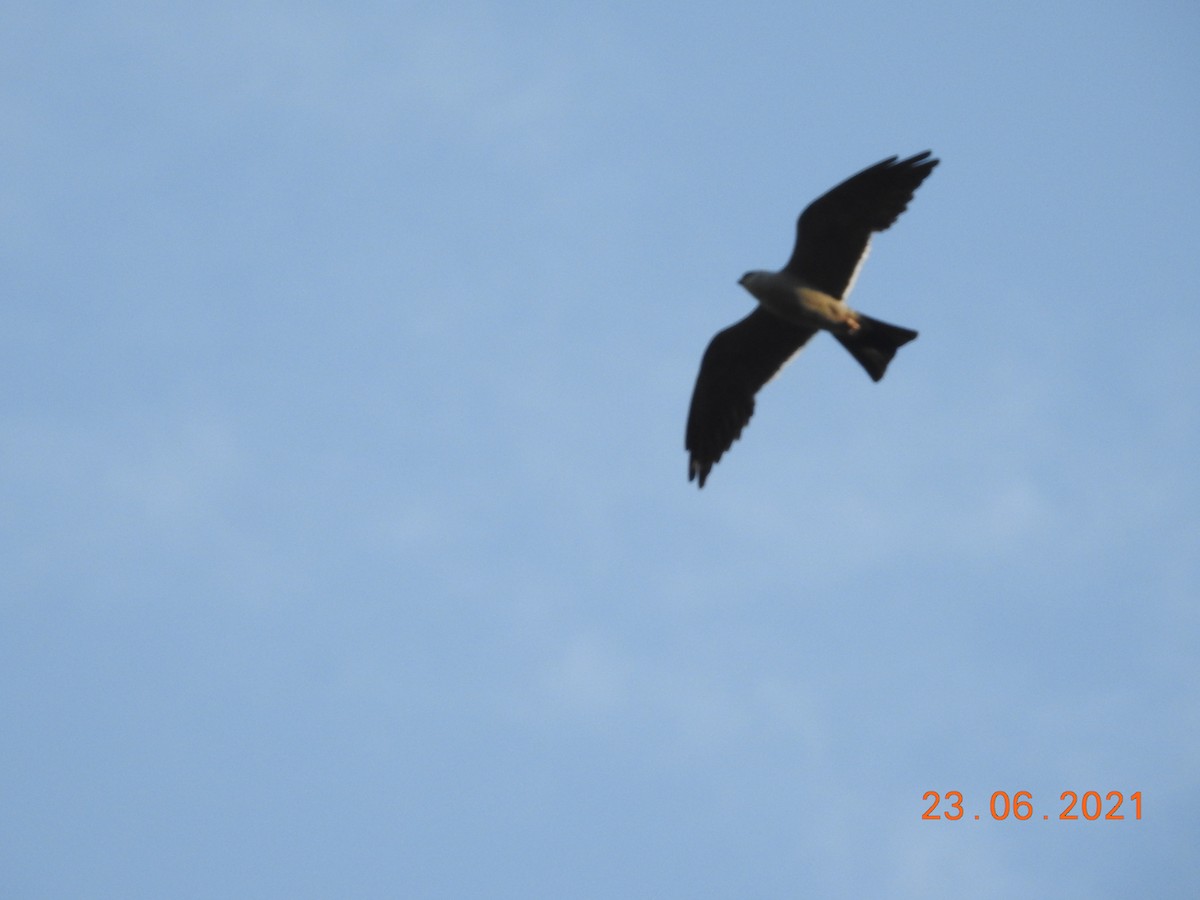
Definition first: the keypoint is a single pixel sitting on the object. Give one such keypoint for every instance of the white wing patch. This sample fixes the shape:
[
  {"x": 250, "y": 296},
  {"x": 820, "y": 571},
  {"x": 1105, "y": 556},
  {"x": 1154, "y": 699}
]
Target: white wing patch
[{"x": 857, "y": 268}]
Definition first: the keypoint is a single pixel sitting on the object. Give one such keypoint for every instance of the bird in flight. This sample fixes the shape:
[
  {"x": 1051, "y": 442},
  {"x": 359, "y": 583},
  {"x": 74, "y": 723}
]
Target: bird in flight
[{"x": 806, "y": 296}]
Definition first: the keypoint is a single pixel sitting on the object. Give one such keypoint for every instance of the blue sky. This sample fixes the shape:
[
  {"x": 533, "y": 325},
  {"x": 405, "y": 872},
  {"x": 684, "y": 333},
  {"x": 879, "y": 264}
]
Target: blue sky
[{"x": 347, "y": 543}]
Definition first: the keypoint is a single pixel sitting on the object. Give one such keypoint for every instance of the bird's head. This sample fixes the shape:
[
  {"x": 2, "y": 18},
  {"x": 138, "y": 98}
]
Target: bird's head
[{"x": 749, "y": 280}]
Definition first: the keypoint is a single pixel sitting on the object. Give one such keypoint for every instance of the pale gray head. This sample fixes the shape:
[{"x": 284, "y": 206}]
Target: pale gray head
[{"x": 755, "y": 276}]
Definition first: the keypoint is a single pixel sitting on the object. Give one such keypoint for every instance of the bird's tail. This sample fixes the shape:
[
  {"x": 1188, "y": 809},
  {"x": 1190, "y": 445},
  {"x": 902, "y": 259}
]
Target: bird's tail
[{"x": 875, "y": 343}]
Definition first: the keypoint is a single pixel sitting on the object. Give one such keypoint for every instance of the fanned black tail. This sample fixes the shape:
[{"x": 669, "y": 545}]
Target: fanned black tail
[{"x": 875, "y": 343}]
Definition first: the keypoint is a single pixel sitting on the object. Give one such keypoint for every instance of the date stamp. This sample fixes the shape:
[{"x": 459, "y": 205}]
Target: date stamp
[{"x": 1071, "y": 807}]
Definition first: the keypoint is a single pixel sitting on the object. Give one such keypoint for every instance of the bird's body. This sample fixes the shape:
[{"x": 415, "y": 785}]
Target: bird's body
[
  {"x": 790, "y": 298},
  {"x": 806, "y": 296}
]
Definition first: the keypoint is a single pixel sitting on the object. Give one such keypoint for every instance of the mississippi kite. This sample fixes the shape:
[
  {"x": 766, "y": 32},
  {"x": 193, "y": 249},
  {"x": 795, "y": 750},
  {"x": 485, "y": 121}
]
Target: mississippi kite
[{"x": 806, "y": 296}]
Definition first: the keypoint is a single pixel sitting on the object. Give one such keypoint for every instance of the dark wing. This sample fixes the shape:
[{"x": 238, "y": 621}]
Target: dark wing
[
  {"x": 738, "y": 361},
  {"x": 832, "y": 234}
]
